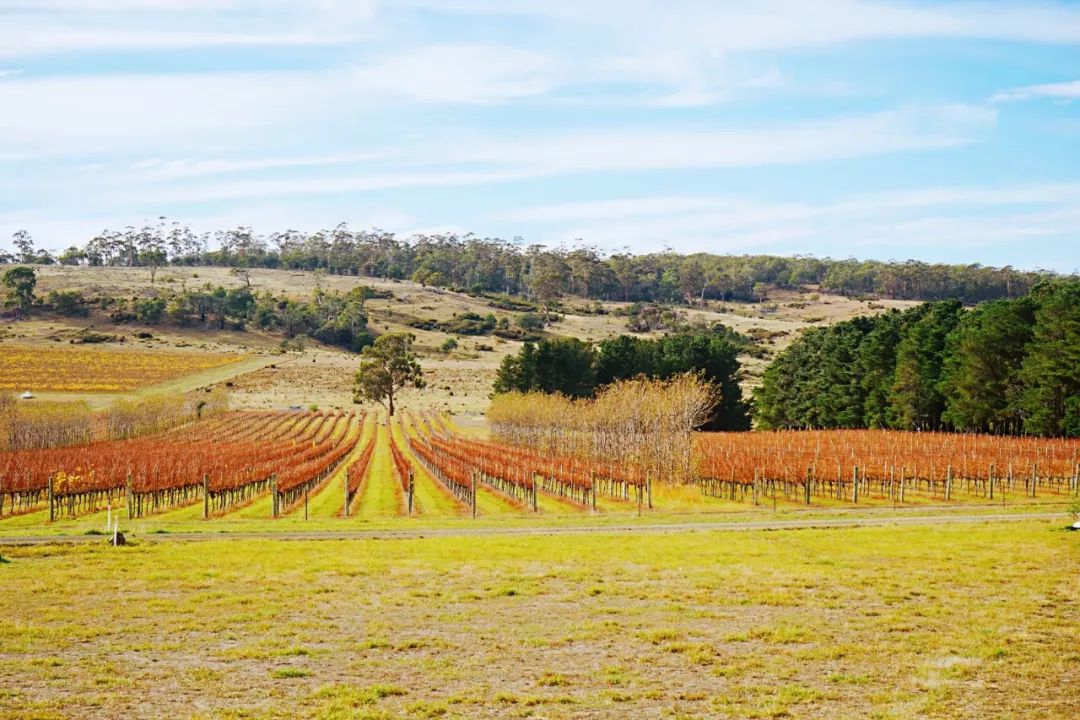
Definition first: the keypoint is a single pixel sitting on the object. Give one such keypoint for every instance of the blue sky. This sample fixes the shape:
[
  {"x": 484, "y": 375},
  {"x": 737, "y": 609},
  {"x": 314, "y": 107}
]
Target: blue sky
[{"x": 942, "y": 131}]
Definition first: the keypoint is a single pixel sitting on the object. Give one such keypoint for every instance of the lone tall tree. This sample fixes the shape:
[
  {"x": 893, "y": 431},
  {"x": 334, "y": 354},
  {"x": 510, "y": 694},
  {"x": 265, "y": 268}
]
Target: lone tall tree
[
  {"x": 20, "y": 282},
  {"x": 386, "y": 368}
]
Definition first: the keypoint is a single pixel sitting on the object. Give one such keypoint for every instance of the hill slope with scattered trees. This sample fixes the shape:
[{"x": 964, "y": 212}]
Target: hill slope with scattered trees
[{"x": 474, "y": 264}]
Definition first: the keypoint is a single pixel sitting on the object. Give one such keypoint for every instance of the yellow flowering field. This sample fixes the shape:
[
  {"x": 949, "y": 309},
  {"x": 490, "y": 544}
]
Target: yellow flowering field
[{"x": 43, "y": 369}]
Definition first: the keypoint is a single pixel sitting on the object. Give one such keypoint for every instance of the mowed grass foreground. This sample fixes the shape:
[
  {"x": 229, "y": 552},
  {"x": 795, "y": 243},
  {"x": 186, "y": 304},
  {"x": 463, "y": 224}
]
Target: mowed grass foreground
[{"x": 973, "y": 621}]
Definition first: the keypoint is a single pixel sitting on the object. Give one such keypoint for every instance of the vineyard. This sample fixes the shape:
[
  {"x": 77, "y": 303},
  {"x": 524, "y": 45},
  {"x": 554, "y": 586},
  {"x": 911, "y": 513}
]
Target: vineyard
[
  {"x": 850, "y": 465},
  {"x": 275, "y": 463},
  {"x": 66, "y": 370},
  {"x": 520, "y": 473},
  {"x": 225, "y": 461}
]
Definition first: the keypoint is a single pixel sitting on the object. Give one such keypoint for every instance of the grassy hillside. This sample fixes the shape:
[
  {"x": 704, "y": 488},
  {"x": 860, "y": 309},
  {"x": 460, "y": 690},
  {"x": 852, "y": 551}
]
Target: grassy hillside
[{"x": 459, "y": 381}]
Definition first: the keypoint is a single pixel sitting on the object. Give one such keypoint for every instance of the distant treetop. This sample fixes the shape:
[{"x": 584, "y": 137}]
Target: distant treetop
[{"x": 473, "y": 264}]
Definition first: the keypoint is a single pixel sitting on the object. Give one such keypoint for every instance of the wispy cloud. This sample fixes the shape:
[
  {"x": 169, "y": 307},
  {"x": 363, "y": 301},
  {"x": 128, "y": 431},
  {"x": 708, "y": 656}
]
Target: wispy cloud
[
  {"x": 1066, "y": 91},
  {"x": 461, "y": 162},
  {"x": 763, "y": 117},
  {"x": 52, "y": 27},
  {"x": 886, "y": 225},
  {"x": 460, "y": 74},
  {"x": 104, "y": 114}
]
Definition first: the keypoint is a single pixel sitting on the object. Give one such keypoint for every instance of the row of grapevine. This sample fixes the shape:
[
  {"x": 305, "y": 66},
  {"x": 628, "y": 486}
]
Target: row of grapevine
[
  {"x": 357, "y": 472},
  {"x": 847, "y": 464},
  {"x": 523, "y": 472},
  {"x": 314, "y": 465},
  {"x": 227, "y": 460},
  {"x": 403, "y": 472},
  {"x": 456, "y": 476}
]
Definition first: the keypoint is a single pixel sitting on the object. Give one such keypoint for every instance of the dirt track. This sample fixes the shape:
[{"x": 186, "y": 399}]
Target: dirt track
[{"x": 760, "y": 525}]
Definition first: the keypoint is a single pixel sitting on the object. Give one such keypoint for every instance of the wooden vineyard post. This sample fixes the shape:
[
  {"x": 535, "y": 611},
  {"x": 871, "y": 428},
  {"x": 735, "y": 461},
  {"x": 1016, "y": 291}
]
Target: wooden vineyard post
[
  {"x": 806, "y": 488},
  {"x": 130, "y": 499},
  {"x": 306, "y": 486},
  {"x": 990, "y": 481},
  {"x": 411, "y": 490},
  {"x": 206, "y": 495},
  {"x": 903, "y": 472},
  {"x": 592, "y": 488},
  {"x": 948, "y": 483},
  {"x": 345, "y": 512},
  {"x": 855, "y": 484},
  {"x": 273, "y": 493},
  {"x": 52, "y": 511},
  {"x": 754, "y": 489},
  {"x": 473, "y": 479},
  {"x": 535, "y": 494},
  {"x": 648, "y": 486}
]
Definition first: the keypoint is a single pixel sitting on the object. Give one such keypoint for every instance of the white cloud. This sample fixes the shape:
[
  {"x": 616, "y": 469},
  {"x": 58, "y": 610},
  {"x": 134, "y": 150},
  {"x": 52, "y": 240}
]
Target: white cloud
[
  {"x": 891, "y": 224},
  {"x": 460, "y": 74},
  {"x": 618, "y": 150},
  {"x": 785, "y": 24},
  {"x": 21, "y": 42},
  {"x": 1066, "y": 91},
  {"x": 69, "y": 26},
  {"x": 457, "y": 162},
  {"x": 864, "y": 203},
  {"x": 99, "y": 115},
  {"x": 157, "y": 169}
]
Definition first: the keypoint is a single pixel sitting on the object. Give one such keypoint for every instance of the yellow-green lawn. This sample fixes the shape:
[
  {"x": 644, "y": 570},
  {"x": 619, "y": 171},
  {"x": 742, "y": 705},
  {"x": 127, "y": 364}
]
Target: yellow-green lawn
[{"x": 951, "y": 621}]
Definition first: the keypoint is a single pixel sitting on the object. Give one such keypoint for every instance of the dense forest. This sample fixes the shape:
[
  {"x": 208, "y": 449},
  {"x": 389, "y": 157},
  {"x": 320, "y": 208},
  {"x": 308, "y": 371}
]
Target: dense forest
[
  {"x": 576, "y": 369},
  {"x": 474, "y": 264},
  {"x": 1007, "y": 366}
]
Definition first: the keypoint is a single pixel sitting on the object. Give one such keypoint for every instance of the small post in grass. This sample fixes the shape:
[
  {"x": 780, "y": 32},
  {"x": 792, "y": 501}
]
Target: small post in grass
[
  {"x": 411, "y": 491},
  {"x": 346, "y": 510},
  {"x": 273, "y": 493},
  {"x": 592, "y": 488}
]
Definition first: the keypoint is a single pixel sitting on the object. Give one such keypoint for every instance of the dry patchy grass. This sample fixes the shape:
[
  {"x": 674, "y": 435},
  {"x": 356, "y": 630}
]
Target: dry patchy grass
[{"x": 944, "y": 622}]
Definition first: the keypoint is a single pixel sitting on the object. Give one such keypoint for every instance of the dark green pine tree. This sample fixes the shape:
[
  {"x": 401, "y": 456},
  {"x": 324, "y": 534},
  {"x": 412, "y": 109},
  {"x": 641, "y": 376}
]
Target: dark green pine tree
[
  {"x": 1051, "y": 372},
  {"x": 558, "y": 365},
  {"x": 785, "y": 398},
  {"x": 838, "y": 395},
  {"x": 623, "y": 357},
  {"x": 877, "y": 362},
  {"x": 717, "y": 359},
  {"x": 981, "y": 379},
  {"x": 915, "y": 402},
  {"x": 517, "y": 373}
]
